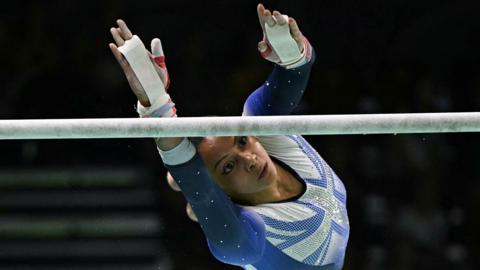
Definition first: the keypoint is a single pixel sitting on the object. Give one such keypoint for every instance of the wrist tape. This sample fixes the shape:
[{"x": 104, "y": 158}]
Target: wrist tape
[
  {"x": 136, "y": 55},
  {"x": 157, "y": 110},
  {"x": 282, "y": 43}
]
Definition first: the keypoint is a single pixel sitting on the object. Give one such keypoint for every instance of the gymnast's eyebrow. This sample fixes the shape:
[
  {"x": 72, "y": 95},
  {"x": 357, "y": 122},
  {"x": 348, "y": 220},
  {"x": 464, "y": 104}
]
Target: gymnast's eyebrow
[{"x": 218, "y": 162}]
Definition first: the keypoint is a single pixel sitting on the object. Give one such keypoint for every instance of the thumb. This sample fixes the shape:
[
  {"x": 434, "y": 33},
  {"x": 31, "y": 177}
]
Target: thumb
[
  {"x": 190, "y": 213},
  {"x": 262, "y": 46},
  {"x": 156, "y": 46},
  {"x": 159, "y": 59},
  {"x": 265, "y": 50},
  {"x": 157, "y": 52}
]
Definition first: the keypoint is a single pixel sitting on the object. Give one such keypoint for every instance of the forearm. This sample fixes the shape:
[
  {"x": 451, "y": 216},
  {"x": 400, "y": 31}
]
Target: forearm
[
  {"x": 147, "y": 76},
  {"x": 281, "y": 92}
]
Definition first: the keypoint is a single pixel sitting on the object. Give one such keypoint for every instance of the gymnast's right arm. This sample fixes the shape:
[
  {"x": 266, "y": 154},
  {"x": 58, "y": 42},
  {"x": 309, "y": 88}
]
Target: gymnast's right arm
[{"x": 234, "y": 235}]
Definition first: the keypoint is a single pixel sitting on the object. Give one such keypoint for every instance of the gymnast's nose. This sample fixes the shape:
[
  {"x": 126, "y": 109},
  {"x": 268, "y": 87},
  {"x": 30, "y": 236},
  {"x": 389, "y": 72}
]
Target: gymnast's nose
[{"x": 249, "y": 160}]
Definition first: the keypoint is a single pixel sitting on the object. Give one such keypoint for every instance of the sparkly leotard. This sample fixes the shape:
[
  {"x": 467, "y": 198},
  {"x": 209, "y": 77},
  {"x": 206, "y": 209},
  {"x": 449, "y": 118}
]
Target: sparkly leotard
[{"x": 307, "y": 232}]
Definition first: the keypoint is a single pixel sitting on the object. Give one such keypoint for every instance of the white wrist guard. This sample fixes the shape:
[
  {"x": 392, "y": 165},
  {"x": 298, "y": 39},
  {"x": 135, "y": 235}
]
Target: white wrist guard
[
  {"x": 136, "y": 55},
  {"x": 180, "y": 154},
  {"x": 282, "y": 43},
  {"x": 157, "y": 109}
]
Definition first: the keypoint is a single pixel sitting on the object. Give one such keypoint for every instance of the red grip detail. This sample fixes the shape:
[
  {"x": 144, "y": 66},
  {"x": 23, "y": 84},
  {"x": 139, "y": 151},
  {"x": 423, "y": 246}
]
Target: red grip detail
[
  {"x": 267, "y": 52},
  {"x": 160, "y": 61}
]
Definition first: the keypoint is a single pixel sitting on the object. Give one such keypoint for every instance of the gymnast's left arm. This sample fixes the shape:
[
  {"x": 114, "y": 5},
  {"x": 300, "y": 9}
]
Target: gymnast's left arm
[{"x": 283, "y": 44}]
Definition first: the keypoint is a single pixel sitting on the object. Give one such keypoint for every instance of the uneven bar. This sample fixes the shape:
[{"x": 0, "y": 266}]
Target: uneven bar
[{"x": 247, "y": 125}]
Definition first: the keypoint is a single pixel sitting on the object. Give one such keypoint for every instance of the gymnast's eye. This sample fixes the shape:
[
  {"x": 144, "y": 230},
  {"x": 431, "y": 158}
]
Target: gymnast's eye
[
  {"x": 242, "y": 141},
  {"x": 228, "y": 167}
]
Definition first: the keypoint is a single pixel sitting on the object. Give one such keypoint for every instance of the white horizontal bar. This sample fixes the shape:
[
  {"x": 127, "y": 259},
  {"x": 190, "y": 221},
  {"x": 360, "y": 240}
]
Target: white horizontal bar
[{"x": 229, "y": 126}]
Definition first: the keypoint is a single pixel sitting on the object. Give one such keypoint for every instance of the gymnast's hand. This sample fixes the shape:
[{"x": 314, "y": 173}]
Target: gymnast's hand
[
  {"x": 121, "y": 34},
  {"x": 278, "y": 19}
]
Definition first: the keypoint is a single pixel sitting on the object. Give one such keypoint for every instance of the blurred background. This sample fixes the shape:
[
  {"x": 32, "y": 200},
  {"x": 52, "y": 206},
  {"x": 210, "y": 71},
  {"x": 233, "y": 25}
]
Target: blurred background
[{"x": 414, "y": 200}]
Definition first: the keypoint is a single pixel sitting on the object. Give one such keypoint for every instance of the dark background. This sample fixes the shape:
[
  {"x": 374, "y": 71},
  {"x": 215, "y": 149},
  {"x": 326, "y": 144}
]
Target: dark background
[{"x": 414, "y": 200}]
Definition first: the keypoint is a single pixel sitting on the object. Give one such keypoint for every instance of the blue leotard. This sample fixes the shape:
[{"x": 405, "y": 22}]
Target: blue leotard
[{"x": 307, "y": 232}]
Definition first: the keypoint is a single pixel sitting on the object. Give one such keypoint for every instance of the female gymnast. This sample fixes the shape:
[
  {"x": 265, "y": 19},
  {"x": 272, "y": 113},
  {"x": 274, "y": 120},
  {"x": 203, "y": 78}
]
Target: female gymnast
[{"x": 266, "y": 203}]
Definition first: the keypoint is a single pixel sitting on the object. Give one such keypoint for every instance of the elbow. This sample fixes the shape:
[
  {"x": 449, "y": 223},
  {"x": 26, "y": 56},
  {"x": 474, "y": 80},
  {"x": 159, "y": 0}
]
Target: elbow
[{"x": 240, "y": 253}]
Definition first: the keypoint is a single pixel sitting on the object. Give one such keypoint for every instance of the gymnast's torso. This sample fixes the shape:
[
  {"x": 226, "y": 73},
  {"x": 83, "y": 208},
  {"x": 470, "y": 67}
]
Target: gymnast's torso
[{"x": 311, "y": 231}]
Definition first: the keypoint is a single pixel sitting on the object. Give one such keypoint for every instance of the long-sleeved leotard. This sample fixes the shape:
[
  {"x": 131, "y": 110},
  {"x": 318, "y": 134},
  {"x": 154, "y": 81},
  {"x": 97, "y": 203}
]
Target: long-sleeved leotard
[{"x": 308, "y": 232}]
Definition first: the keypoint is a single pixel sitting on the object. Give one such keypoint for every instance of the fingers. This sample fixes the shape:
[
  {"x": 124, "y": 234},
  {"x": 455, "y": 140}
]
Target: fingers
[
  {"x": 172, "y": 182},
  {"x": 117, "y": 37},
  {"x": 261, "y": 18},
  {"x": 118, "y": 55},
  {"x": 296, "y": 33},
  {"x": 124, "y": 31},
  {"x": 264, "y": 16},
  {"x": 268, "y": 18},
  {"x": 190, "y": 213},
  {"x": 175, "y": 187},
  {"x": 121, "y": 33},
  {"x": 279, "y": 18}
]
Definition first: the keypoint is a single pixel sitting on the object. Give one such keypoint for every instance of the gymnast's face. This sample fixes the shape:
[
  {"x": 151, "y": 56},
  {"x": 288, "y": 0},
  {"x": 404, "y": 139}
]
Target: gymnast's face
[{"x": 239, "y": 165}]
